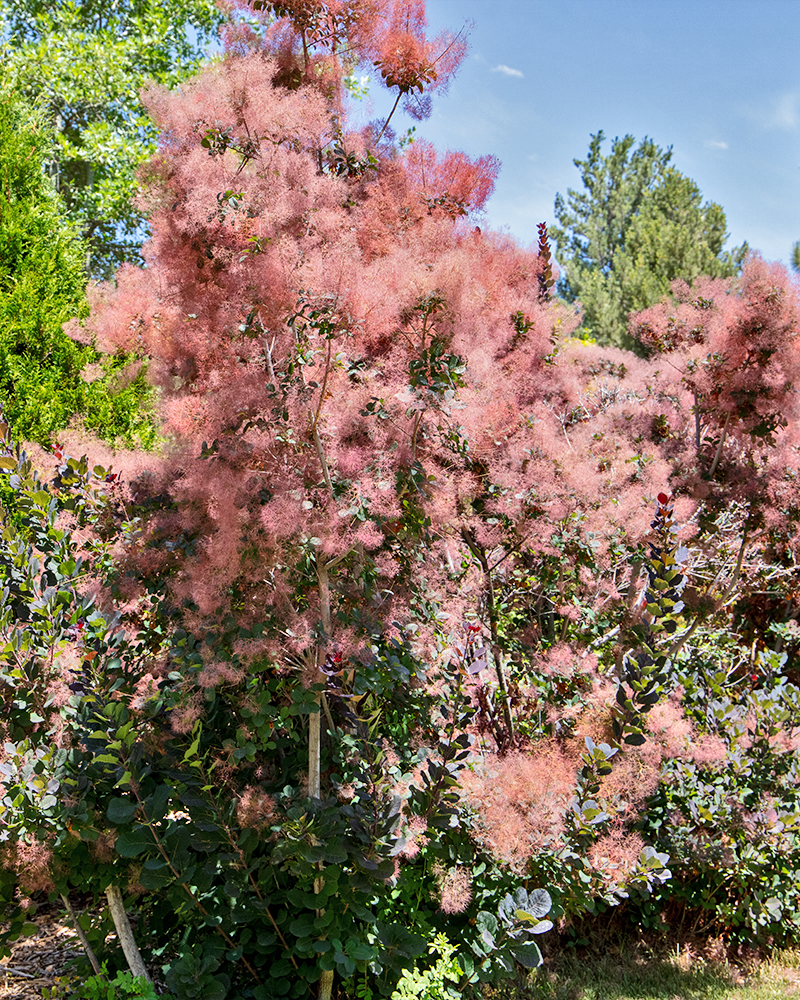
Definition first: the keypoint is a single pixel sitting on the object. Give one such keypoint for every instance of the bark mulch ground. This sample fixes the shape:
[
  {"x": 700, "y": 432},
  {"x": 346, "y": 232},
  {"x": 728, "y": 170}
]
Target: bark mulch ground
[{"x": 36, "y": 961}]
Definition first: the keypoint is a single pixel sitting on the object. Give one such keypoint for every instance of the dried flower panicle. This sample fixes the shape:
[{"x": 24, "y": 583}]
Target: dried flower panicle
[
  {"x": 520, "y": 800},
  {"x": 454, "y": 887},
  {"x": 255, "y": 809}
]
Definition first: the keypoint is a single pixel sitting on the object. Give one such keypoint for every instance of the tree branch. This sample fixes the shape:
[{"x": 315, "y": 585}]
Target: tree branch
[
  {"x": 81, "y": 935},
  {"x": 394, "y": 108},
  {"x": 125, "y": 933},
  {"x": 722, "y": 437},
  {"x": 479, "y": 552}
]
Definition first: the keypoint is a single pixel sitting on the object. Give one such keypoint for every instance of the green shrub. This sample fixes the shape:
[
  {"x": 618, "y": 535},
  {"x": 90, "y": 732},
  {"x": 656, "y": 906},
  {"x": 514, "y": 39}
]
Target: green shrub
[
  {"x": 42, "y": 284},
  {"x": 124, "y": 986},
  {"x": 435, "y": 982}
]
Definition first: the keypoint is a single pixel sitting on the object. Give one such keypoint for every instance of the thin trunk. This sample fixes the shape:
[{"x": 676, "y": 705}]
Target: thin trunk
[
  {"x": 125, "y": 933},
  {"x": 480, "y": 554},
  {"x": 503, "y": 685},
  {"x": 394, "y": 108},
  {"x": 486, "y": 701},
  {"x": 326, "y": 708},
  {"x": 315, "y": 719},
  {"x": 314, "y": 740},
  {"x": 417, "y": 422},
  {"x": 682, "y": 640},
  {"x": 314, "y": 722},
  {"x": 81, "y": 935},
  {"x": 718, "y": 454},
  {"x": 325, "y": 985},
  {"x": 268, "y": 348},
  {"x": 322, "y": 461},
  {"x": 697, "y": 426},
  {"x": 633, "y": 589}
]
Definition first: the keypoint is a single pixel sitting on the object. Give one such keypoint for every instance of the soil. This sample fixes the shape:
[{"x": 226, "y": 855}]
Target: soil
[{"x": 36, "y": 961}]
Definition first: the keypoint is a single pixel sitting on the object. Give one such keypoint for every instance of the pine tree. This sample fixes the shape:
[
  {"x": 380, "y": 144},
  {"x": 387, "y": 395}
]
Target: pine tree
[{"x": 638, "y": 226}]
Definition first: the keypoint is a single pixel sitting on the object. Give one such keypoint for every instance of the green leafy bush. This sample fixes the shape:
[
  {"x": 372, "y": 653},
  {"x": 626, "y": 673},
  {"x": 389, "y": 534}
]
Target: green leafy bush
[
  {"x": 435, "y": 982},
  {"x": 42, "y": 282},
  {"x": 734, "y": 831},
  {"x": 124, "y": 986}
]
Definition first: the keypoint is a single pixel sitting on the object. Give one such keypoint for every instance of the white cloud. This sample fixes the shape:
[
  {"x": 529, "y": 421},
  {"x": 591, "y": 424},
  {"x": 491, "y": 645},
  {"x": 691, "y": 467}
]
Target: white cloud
[
  {"x": 716, "y": 144},
  {"x": 781, "y": 112},
  {"x": 508, "y": 71},
  {"x": 784, "y": 113}
]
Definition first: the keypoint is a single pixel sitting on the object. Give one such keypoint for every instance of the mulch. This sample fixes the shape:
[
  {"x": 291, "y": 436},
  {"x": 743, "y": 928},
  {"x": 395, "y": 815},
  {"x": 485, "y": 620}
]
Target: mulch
[{"x": 36, "y": 961}]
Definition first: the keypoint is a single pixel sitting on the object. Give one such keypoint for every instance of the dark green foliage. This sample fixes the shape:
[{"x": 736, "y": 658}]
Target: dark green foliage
[
  {"x": 644, "y": 672},
  {"x": 133, "y": 766},
  {"x": 673, "y": 236},
  {"x": 638, "y": 225},
  {"x": 520, "y": 917},
  {"x": 42, "y": 281},
  {"x": 734, "y": 832},
  {"x": 269, "y": 886}
]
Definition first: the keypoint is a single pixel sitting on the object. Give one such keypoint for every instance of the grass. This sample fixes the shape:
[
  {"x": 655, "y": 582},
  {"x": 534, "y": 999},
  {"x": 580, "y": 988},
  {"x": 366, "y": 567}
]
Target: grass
[{"x": 637, "y": 975}]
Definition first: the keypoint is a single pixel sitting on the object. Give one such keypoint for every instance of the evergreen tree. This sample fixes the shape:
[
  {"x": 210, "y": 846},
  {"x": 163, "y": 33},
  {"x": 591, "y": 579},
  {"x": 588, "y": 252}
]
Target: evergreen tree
[
  {"x": 639, "y": 225},
  {"x": 42, "y": 281}
]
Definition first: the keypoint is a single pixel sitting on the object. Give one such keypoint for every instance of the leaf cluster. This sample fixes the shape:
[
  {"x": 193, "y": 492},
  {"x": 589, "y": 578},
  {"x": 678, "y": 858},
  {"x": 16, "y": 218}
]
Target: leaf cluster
[
  {"x": 87, "y": 63},
  {"x": 42, "y": 281}
]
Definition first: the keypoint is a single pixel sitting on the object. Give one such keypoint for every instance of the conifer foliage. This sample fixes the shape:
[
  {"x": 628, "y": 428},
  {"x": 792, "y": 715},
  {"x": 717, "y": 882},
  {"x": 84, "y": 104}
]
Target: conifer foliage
[{"x": 637, "y": 226}]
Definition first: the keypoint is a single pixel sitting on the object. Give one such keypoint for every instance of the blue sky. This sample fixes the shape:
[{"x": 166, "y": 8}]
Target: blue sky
[{"x": 715, "y": 79}]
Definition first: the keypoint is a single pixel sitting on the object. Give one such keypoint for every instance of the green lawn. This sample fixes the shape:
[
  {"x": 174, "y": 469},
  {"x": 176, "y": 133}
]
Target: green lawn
[{"x": 617, "y": 976}]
